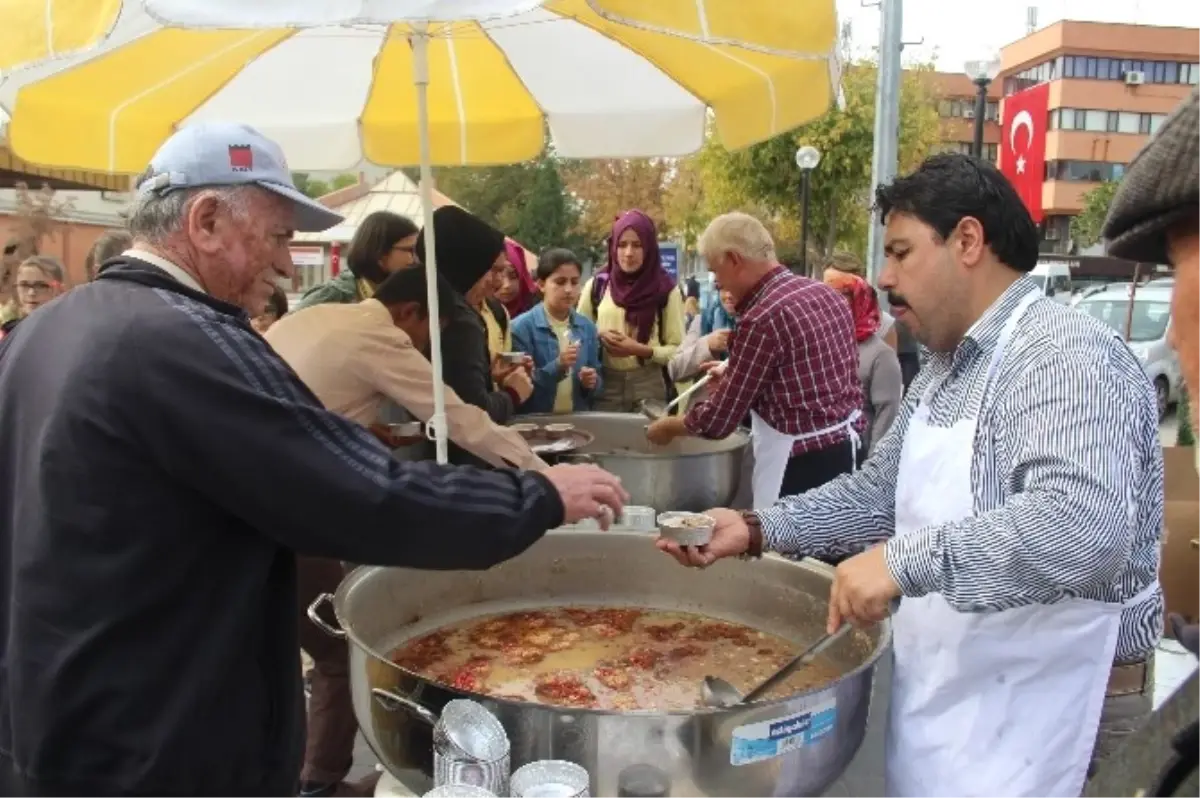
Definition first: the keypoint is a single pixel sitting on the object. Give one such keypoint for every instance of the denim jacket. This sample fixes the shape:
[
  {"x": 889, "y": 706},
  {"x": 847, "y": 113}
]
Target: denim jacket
[{"x": 533, "y": 335}]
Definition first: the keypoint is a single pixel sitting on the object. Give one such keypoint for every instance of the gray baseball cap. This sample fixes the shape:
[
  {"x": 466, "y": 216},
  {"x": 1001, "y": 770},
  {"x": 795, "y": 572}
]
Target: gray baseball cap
[{"x": 227, "y": 154}]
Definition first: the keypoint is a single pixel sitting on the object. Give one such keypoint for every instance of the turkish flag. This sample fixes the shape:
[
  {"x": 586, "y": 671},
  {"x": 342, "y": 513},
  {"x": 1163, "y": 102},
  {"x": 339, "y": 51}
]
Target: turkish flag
[{"x": 1023, "y": 145}]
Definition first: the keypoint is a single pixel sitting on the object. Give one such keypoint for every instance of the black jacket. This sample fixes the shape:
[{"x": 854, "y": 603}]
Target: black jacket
[
  {"x": 159, "y": 465},
  {"x": 467, "y": 368}
]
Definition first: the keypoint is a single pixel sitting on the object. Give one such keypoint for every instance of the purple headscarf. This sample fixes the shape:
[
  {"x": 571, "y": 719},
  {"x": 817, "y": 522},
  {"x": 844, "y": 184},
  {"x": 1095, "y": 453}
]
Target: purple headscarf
[{"x": 641, "y": 294}]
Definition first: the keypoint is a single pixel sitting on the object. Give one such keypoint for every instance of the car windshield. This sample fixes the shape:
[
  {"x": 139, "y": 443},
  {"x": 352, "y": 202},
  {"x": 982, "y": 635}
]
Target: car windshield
[{"x": 1149, "y": 322}]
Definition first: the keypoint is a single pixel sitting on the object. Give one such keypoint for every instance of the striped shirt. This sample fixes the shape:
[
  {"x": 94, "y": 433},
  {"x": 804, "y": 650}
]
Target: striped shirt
[{"x": 1067, "y": 477}]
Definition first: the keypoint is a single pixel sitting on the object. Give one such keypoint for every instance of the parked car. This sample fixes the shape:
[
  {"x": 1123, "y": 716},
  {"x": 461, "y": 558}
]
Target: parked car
[
  {"x": 1147, "y": 334},
  {"x": 1054, "y": 278}
]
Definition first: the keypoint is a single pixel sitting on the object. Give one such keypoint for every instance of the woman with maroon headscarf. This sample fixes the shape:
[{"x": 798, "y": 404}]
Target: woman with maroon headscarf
[
  {"x": 878, "y": 365},
  {"x": 515, "y": 288},
  {"x": 638, "y": 313}
]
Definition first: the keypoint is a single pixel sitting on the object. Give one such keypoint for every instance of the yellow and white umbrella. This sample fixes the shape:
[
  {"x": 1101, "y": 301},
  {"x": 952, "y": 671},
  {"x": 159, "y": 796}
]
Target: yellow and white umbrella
[{"x": 100, "y": 84}]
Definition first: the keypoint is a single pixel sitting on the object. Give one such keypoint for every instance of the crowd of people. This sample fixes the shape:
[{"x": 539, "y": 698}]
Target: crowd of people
[{"x": 187, "y": 463}]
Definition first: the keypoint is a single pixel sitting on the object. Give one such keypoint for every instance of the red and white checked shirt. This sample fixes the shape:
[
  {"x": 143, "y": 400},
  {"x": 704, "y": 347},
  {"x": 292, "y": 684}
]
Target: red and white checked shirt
[{"x": 792, "y": 359}]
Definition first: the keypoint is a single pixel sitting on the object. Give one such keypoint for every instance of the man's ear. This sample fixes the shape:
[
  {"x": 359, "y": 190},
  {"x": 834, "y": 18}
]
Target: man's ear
[{"x": 203, "y": 222}]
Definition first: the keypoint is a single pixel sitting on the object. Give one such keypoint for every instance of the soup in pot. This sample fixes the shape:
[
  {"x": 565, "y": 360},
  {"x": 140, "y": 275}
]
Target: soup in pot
[{"x": 611, "y": 658}]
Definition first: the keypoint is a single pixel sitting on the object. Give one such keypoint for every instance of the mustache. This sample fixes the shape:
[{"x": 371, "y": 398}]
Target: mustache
[{"x": 896, "y": 299}]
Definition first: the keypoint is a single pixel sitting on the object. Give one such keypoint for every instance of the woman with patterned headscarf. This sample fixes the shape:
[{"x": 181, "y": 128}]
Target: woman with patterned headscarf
[
  {"x": 639, "y": 315},
  {"x": 878, "y": 366}
]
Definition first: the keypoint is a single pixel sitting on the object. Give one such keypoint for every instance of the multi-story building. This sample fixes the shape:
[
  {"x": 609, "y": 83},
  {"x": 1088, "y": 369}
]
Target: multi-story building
[
  {"x": 1111, "y": 86},
  {"x": 956, "y": 107}
]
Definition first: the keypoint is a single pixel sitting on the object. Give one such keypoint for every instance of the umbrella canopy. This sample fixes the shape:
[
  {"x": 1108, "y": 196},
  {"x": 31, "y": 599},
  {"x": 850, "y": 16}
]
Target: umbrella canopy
[
  {"x": 397, "y": 82},
  {"x": 332, "y": 80}
]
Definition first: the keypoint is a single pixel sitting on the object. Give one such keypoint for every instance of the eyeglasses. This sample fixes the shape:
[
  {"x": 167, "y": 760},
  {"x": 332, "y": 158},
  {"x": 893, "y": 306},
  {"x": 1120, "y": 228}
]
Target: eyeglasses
[
  {"x": 34, "y": 288},
  {"x": 411, "y": 250}
]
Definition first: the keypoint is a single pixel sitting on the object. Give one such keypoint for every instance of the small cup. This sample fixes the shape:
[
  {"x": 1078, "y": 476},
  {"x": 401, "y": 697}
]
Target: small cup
[
  {"x": 449, "y": 769},
  {"x": 459, "y": 791},
  {"x": 686, "y": 529},
  {"x": 558, "y": 431},
  {"x": 640, "y": 518},
  {"x": 512, "y": 358},
  {"x": 550, "y": 778},
  {"x": 526, "y": 431}
]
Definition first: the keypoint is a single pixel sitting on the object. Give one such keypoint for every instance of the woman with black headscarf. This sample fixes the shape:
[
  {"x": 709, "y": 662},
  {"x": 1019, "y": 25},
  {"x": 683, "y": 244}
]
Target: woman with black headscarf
[{"x": 469, "y": 254}]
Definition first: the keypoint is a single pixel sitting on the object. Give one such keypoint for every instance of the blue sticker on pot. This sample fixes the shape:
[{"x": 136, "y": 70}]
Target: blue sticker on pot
[{"x": 756, "y": 742}]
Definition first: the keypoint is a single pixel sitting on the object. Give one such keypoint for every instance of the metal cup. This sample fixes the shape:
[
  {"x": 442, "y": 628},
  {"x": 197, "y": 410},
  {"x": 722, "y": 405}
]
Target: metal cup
[
  {"x": 453, "y": 769},
  {"x": 458, "y": 791},
  {"x": 550, "y": 778}
]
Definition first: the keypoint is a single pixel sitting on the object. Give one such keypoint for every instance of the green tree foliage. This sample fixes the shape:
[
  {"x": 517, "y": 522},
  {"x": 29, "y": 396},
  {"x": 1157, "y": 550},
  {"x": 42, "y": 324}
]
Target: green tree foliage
[
  {"x": 764, "y": 180},
  {"x": 527, "y": 201},
  {"x": 343, "y": 181},
  {"x": 1086, "y": 227}
]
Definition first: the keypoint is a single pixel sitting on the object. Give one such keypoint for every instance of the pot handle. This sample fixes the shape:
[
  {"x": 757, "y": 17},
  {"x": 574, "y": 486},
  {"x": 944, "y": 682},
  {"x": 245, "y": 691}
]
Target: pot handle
[
  {"x": 391, "y": 702},
  {"x": 316, "y": 618}
]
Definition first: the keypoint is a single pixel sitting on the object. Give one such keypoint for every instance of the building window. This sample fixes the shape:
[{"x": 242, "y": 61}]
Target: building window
[
  {"x": 1095, "y": 68},
  {"x": 993, "y": 111},
  {"x": 1129, "y": 122},
  {"x": 1084, "y": 171},
  {"x": 1098, "y": 121},
  {"x": 1172, "y": 72}
]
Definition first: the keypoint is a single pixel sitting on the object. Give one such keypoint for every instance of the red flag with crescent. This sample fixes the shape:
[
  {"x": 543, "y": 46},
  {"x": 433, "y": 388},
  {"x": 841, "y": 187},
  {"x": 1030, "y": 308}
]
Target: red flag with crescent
[{"x": 1023, "y": 144}]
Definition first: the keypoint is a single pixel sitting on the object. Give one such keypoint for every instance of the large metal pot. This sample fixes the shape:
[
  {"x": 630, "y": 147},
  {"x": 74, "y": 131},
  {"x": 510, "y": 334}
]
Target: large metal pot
[
  {"x": 688, "y": 474},
  {"x": 701, "y": 751}
]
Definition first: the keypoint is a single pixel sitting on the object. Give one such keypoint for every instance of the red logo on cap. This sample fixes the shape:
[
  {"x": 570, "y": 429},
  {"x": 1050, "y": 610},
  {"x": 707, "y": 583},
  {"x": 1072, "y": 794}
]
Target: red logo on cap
[{"x": 241, "y": 159}]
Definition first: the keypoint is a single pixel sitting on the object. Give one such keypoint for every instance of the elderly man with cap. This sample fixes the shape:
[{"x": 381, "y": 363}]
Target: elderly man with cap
[
  {"x": 470, "y": 255},
  {"x": 1155, "y": 218},
  {"x": 1015, "y": 508},
  {"x": 160, "y": 466}
]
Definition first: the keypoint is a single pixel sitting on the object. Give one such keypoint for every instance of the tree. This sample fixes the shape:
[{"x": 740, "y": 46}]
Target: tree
[
  {"x": 606, "y": 188},
  {"x": 765, "y": 176},
  {"x": 310, "y": 186},
  {"x": 38, "y": 216},
  {"x": 1087, "y": 225},
  {"x": 527, "y": 201},
  {"x": 684, "y": 203},
  {"x": 343, "y": 181}
]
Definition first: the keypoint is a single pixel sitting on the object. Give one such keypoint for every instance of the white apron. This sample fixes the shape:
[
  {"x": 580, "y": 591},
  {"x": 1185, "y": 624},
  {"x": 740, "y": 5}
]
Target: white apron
[
  {"x": 772, "y": 450},
  {"x": 988, "y": 704}
]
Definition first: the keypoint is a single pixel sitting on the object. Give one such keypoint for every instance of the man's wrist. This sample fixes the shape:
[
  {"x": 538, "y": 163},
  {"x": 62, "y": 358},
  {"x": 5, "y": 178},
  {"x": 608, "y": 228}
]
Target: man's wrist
[
  {"x": 754, "y": 546},
  {"x": 513, "y": 395}
]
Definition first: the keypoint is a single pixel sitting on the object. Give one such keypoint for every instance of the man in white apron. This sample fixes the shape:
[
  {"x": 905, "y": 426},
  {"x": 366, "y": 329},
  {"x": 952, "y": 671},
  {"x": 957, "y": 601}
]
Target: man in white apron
[
  {"x": 1019, "y": 493},
  {"x": 792, "y": 368}
]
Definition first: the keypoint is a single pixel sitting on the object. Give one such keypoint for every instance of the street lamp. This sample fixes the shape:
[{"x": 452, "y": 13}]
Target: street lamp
[
  {"x": 807, "y": 159},
  {"x": 981, "y": 73}
]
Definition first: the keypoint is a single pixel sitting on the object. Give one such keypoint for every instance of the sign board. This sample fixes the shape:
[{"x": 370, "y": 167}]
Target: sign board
[
  {"x": 308, "y": 256},
  {"x": 670, "y": 257}
]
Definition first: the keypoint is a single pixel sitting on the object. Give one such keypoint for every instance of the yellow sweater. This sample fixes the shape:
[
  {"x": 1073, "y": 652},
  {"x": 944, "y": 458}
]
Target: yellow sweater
[
  {"x": 497, "y": 342},
  {"x": 611, "y": 316}
]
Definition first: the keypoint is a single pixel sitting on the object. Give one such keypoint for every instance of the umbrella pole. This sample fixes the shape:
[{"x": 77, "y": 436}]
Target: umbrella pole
[{"x": 420, "y": 45}]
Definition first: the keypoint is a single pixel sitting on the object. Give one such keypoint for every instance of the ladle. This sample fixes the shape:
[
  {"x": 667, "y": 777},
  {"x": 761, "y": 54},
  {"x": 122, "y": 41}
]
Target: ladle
[
  {"x": 716, "y": 692},
  {"x": 649, "y": 406}
]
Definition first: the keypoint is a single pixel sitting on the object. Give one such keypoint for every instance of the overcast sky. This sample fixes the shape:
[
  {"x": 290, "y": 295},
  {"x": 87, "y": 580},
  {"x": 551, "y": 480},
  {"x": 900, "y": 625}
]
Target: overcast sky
[{"x": 956, "y": 31}]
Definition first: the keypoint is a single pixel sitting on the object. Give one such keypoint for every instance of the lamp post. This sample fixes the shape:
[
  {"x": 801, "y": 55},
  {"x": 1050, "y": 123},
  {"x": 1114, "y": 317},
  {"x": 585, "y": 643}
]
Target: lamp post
[
  {"x": 981, "y": 73},
  {"x": 807, "y": 159}
]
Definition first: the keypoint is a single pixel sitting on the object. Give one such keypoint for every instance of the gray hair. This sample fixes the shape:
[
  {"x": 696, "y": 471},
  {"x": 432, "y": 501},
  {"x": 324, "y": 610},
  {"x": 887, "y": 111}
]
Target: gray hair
[
  {"x": 739, "y": 233},
  {"x": 153, "y": 216},
  {"x": 48, "y": 265}
]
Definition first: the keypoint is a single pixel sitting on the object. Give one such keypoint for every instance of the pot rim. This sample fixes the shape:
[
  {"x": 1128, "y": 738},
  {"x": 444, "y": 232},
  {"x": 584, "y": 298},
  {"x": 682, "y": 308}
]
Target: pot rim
[
  {"x": 363, "y": 571},
  {"x": 736, "y": 441}
]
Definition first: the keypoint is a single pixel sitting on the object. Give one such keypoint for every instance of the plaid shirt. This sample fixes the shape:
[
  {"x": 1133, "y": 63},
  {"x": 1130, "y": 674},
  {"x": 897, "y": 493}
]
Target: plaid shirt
[{"x": 792, "y": 359}]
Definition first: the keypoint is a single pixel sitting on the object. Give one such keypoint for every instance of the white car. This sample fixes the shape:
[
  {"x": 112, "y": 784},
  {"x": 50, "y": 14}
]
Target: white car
[{"x": 1148, "y": 326}]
